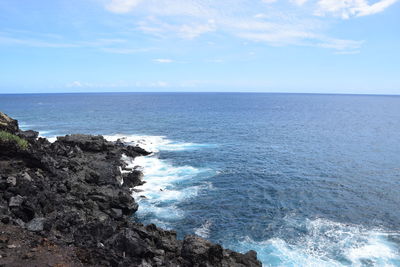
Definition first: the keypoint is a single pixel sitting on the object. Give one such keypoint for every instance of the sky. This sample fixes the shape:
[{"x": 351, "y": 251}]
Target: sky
[{"x": 310, "y": 46}]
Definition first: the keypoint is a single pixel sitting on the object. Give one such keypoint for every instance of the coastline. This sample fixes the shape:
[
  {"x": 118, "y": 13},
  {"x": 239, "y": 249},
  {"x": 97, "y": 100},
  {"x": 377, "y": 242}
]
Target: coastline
[{"x": 70, "y": 198}]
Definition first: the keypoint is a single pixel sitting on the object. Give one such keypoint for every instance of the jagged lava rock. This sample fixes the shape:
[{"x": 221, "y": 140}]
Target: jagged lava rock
[
  {"x": 68, "y": 195},
  {"x": 8, "y": 124}
]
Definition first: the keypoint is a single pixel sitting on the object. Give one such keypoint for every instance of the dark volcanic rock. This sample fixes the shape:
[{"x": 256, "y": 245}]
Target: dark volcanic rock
[
  {"x": 66, "y": 198},
  {"x": 28, "y": 135},
  {"x": 133, "y": 179},
  {"x": 36, "y": 225},
  {"x": 8, "y": 124},
  {"x": 86, "y": 142},
  {"x": 16, "y": 201}
]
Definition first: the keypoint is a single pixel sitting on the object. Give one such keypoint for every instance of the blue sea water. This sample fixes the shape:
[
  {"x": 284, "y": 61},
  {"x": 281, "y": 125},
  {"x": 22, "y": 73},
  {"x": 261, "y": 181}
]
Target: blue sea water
[{"x": 303, "y": 179}]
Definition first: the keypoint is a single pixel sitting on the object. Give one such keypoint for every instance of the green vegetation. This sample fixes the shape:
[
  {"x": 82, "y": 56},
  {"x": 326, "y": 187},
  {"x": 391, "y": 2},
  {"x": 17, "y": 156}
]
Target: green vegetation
[{"x": 8, "y": 137}]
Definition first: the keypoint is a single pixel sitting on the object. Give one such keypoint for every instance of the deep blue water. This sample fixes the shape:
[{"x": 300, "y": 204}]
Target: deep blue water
[{"x": 305, "y": 180}]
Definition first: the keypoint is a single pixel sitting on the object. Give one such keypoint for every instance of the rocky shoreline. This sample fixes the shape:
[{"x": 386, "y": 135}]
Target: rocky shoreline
[{"x": 67, "y": 203}]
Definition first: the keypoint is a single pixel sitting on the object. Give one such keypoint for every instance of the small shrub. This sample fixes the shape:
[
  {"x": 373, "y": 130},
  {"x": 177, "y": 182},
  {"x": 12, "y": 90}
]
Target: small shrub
[{"x": 8, "y": 137}]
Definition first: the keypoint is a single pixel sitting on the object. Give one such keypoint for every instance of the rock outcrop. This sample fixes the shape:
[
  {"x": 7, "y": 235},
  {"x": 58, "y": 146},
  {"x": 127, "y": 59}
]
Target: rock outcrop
[
  {"x": 8, "y": 124},
  {"x": 66, "y": 198}
]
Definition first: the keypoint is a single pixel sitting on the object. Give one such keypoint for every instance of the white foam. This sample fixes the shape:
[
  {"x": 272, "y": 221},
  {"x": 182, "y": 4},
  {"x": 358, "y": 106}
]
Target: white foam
[
  {"x": 24, "y": 126},
  {"x": 153, "y": 143},
  {"x": 327, "y": 243},
  {"x": 50, "y": 138},
  {"x": 204, "y": 230},
  {"x": 161, "y": 192},
  {"x": 166, "y": 185},
  {"x": 377, "y": 250}
]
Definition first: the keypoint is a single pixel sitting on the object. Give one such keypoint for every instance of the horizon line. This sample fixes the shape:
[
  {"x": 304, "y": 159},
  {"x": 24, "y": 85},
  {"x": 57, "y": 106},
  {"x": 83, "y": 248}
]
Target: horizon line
[{"x": 202, "y": 92}]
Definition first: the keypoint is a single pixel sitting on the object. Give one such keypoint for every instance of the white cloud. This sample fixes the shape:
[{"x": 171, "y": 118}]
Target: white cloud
[
  {"x": 299, "y": 2},
  {"x": 40, "y": 40},
  {"x": 193, "y": 31},
  {"x": 119, "y": 84},
  {"x": 75, "y": 84},
  {"x": 158, "y": 84},
  {"x": 351, "y": 8},
  {"x": 163, "y": 60},
  {"x": 33, "y": 42},
  {"x": 122, "y": 6},
  {"x": 341, "y": 45},
  {"x": 354, "y": 52},
  {"x": 215, "y": 60},
  {"x": 125, "y": 51},
  {"x": 260, "y": 16},
  {"x": 274, "y": 24}
]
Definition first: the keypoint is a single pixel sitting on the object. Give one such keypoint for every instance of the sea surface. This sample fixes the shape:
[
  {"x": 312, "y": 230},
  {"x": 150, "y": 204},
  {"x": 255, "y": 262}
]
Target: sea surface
[{"x": 303, "y": 179}]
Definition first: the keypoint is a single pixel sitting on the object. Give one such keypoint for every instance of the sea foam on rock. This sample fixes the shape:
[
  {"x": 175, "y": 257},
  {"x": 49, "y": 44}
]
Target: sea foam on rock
[{"x": 66, "y": 197}]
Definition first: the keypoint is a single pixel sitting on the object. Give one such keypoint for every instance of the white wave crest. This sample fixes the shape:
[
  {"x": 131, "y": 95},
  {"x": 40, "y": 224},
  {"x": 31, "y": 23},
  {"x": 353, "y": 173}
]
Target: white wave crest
[
  {"x": 47, "y": 134},
  {"x": 158, "y": 196},
  {"x": 165, "y": 184},
  {"x": 204, "y": 230},
  {"x": 327, "y": 243},
  {"x": 153, "y": 143}
]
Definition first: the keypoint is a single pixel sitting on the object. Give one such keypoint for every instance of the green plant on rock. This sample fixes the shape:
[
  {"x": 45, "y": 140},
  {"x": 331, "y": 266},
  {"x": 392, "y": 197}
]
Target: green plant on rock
[{"x": 9, "y": 137}]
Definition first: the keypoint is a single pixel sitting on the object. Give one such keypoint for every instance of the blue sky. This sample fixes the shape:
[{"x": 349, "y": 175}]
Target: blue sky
[{"x": 317, "y": 46}]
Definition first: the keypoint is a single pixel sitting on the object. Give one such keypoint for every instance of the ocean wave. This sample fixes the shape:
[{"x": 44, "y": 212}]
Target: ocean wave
[
  {"x": 327, "y": 243},
  {"x": 154, "y": 143},
  {"x": 166, "y": 185},
  {"x": 25, "y": 126},
  {"x": 204, "y": 230},
  {"x": 158, "y": 196}
]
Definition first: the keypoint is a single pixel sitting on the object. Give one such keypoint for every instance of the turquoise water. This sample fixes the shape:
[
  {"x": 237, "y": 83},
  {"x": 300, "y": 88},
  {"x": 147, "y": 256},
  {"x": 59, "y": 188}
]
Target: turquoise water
[{"x": 305, "y": 180}]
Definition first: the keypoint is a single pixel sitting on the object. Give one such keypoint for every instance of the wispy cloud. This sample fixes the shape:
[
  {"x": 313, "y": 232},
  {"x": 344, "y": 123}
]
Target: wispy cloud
[
  {"x": 125, "y": 51},
  {"x": 163, "y": 60},
  {"x": 354, "y": 52},
  {"x": 5, "y": 40},
  {"x": 40, "y": 40},
  {"x": 299, "y": 2},
  {"x": 275, "y": 24},
  {"x": 97, "y": 85},
  {"x": 122, "y": 6},
  {"x": 351, "y": 8}
]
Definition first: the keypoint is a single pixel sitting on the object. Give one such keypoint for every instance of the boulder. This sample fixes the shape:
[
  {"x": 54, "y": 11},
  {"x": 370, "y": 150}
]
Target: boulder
[
  {"x": 28, "y": 135},
  {"x": 133, "y": 179},
  {"x": 130, "y": 243},
  {"x": 12, "y": 181},
  {"x": 35, "y": 225},
  {"x": 85, "y": 142},
  {"x": 16, "y": 201},
  {"x": 198, "y": 250},
  {"x": 134, "y": 151}
]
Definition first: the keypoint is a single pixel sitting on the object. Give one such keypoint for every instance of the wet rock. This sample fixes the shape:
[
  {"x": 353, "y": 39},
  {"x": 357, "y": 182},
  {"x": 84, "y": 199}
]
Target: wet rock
[
  {"x": 133, "y": 179},
  {"x": 135, "y": 151}
]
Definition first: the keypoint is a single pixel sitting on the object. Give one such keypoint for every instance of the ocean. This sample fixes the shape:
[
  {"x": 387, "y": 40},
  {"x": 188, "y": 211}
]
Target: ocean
[{"x": 303, "y": 179}]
